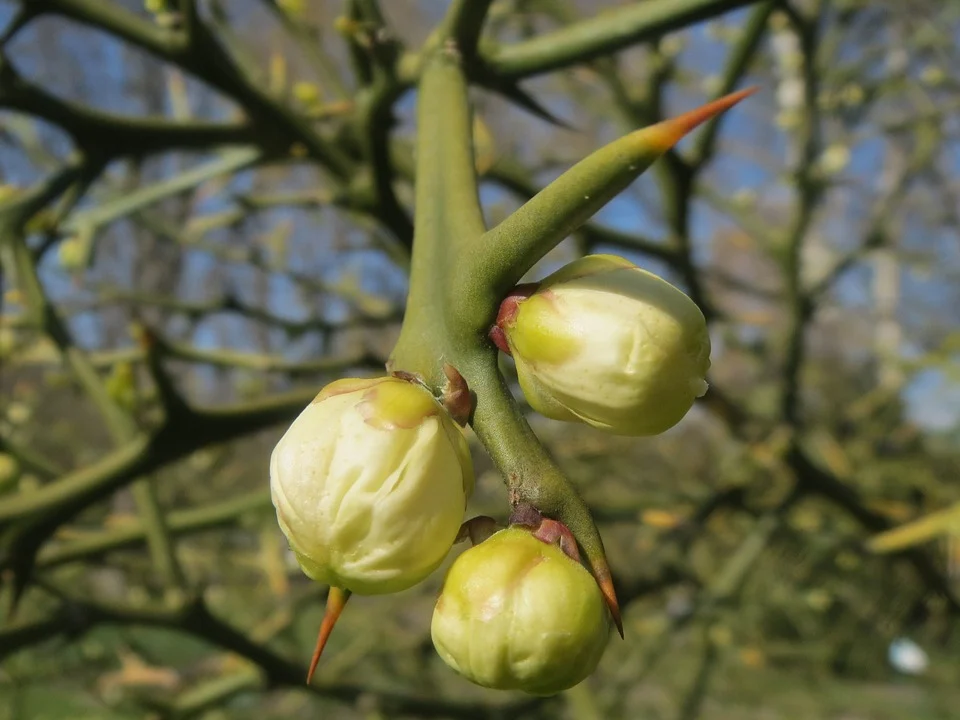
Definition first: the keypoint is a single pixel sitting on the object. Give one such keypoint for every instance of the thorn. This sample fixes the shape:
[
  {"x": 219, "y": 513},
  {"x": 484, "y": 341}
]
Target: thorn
[
  {"x": 689, "y": 120},
  {"x": 605, "y": 581},
  {"x": 512, "y": 91},
  {"x": 668, "y": 133},
  {"x": 336, "y": 601}
]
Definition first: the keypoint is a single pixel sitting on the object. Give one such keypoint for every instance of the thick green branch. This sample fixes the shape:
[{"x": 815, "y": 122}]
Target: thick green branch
[
  {"x": 202, "y": 54},
  {"x": 448, "y": 203},
  {"x": 116, "y": 20},
  {"x": 464, "y": 24},
  {"x": 448, "y": 214},
  {"x": 104, "y": 134},
  {"x": 601, "y": 35},
  {"x": 231, "y": 161},
  {"x": 29, "y": 459}
]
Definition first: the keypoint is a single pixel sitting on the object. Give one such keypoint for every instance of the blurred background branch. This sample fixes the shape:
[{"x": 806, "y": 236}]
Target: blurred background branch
[{"x": 205, "y": 215}]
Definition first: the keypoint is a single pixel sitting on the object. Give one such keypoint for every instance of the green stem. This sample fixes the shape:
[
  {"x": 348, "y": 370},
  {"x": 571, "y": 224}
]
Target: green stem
[
  {"x": 531, "y": 475},
  {"x": 124, "y": 461},
  {"x": 603, "y": 34},
  {"x": 145, "y": 454},
  {"x": 160, "y": 544},
  {"x": 464, "y": 22},
  {"x": 108, "y": 134},
  {"x": 29, "y": 459},
  {"x": 448, "y": 213},
  {"x": 201, "y": 53},
  {"x": 100, "y": 215},
  {"x": 179, "y": 522},
  {"x": 116, "y": 20},
  {"x": 442, "y": 323}
]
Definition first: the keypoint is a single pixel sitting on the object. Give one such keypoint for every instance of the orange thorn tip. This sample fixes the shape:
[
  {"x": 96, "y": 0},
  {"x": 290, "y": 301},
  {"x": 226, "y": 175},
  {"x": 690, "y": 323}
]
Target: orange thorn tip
[
  {"x": 610, "y": 595},
  {"x": 669, "y": 132},
  {"x": 336, "y": 601}
]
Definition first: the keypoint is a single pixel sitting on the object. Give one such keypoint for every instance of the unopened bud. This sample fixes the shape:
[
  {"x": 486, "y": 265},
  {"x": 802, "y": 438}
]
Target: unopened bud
[
  {"x": 607, "y": 343},
  {"x": 517, "y": 613},
  {"x": 370, "y": 483}
]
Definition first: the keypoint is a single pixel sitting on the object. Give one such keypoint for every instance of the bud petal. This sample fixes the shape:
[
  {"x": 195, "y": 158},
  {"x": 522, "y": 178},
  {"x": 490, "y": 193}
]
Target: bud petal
[
  {"x": 609, "y": 344},
  {"x": 518, "y": 614},
  {"x": 370, "y": 484}
]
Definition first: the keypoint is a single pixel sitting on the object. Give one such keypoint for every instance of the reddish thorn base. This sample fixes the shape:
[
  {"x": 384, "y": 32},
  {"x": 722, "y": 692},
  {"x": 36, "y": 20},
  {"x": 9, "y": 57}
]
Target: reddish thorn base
[
  {"x": 553, "y": 532},
  {"x": 499, "y": 338},
  {"x": 506, "y": 314}
]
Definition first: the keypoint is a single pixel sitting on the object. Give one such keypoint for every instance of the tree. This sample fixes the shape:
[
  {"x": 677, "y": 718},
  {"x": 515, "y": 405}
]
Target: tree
[{"x": 215, "y": 208}]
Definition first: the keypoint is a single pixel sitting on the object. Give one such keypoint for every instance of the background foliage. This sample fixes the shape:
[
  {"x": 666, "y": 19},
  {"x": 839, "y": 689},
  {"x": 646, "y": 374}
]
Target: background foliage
[{"x": 196, "y": 235}]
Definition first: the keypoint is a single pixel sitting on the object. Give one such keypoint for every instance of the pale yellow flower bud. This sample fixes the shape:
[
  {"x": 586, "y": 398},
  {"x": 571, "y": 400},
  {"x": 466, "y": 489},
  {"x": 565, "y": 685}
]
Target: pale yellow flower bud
[
  {"x": 370, "y": 483},
  {"x": 609, "y": 344},
  {"x": 518, "y": 614}
]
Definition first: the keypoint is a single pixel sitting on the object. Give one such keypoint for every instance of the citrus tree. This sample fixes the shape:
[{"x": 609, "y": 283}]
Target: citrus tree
[{"x": 213, "y": 210}]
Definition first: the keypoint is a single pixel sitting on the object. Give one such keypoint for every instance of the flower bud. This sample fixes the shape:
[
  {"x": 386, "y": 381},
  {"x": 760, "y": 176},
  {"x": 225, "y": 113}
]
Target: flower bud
[
  {"x": 370, "y": 483},
  {"x": 518, "y": 614},
  {"x": 609, "y": 344}
]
